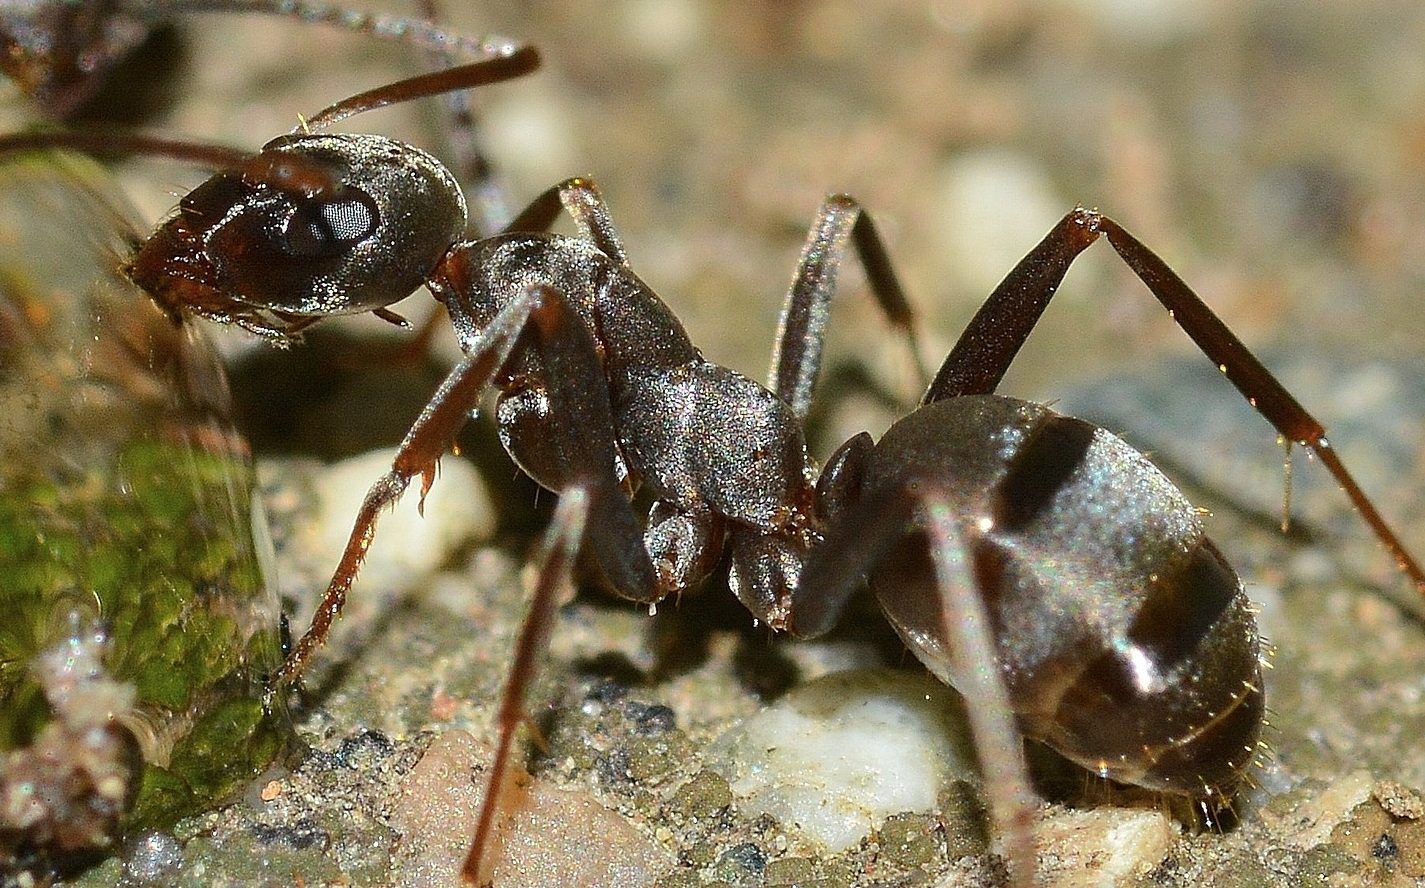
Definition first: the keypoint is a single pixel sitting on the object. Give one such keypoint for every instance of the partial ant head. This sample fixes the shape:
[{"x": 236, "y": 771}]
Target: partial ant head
[
  {"x": 65, "y": 55},
  {"x": 313, "y": 225},
  {"x": 59, "y": 53}
]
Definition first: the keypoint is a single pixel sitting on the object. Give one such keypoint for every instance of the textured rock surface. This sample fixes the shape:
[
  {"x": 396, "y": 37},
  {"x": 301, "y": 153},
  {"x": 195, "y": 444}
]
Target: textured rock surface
[{"x": 835, "y": 757}]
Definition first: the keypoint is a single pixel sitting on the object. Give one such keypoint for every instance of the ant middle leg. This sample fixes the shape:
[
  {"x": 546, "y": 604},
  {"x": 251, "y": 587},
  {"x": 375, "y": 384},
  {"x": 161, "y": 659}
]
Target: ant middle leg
[
  {"x": 581, "y": 199},
  {"x": 994, "y": 336},
  {"x": 841, "y": 222},
  {"x": 577, "y": 393}
]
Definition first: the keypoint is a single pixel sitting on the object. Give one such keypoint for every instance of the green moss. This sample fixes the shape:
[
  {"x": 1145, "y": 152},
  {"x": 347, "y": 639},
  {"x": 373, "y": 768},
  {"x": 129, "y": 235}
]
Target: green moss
[
  {"x": 127, "y": 501},
  {"x": 168, "y": 603}
]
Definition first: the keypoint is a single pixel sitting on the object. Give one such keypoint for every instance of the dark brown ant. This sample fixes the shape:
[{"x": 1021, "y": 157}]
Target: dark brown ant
[{"x": 992, "y": 530}]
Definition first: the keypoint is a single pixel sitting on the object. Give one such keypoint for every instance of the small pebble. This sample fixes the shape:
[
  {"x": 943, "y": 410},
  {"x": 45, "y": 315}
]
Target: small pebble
[
  {"x": 839, "y": 755},
  {"x": 1398, "y": 800},
  {"x": 546, "y": 837},
  {"x": 1104, "y": 846},
  {"x": 1313, "y": 820}
]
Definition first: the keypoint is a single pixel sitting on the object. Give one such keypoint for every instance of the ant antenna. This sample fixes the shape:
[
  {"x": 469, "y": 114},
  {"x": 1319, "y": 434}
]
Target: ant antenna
[
  {"x": 97, "y": 143},
  {"x": 421, "y": 33},
  {"x": 510, "y": 63}
]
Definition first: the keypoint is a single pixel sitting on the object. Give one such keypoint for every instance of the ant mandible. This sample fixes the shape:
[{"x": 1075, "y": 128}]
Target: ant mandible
[{"x": 992, "y": 530}]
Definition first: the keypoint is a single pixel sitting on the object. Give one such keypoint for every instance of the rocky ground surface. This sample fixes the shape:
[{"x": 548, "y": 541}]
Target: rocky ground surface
[{"x": 1272, "y": 153}]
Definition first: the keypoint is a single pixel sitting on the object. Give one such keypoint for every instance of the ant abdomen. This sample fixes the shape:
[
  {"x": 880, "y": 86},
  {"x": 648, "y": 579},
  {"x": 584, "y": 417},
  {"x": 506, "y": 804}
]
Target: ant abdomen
[
  {"x": 1126, "y": 641},
  {"x": 313, "y": 225}
]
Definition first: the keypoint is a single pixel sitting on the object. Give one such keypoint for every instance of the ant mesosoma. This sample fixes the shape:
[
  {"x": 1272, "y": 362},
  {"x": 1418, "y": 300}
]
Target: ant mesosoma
[{"x": 992, "y": 530}]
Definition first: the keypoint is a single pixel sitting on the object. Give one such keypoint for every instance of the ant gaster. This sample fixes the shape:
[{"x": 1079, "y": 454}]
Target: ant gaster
[{"x": 992, "y": 530}]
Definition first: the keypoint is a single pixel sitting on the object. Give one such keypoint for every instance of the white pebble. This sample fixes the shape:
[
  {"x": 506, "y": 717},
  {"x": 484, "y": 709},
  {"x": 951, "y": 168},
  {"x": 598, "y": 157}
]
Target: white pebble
[
  {"x": 1105, "y": 846},
  {"x": 834, "y": 758},
  {"x": 409, "y": 547}
]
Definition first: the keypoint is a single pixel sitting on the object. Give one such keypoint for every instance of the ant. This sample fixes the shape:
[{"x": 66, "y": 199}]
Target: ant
[{"x": 992, "y": 530}]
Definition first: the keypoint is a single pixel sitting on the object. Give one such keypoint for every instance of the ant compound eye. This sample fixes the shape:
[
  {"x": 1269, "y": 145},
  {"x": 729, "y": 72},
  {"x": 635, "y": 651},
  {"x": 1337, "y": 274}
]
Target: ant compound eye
[
  {"x": 330, "y": 227},
  {"x": 313, "y": 225}
]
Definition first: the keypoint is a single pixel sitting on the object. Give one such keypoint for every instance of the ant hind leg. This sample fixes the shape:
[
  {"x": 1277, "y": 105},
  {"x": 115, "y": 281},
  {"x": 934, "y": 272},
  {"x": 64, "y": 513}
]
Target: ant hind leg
[
  {"x": 994, "y": 336},
  {"x": 853, "y": 546},
  {"x": 557, "y": 554}
]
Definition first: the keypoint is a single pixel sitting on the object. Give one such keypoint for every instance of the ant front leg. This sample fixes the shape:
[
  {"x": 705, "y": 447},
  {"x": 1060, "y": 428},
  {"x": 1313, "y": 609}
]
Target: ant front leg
[
  {"x": 577, "y": 391},
  {"x": 994, "y": 336},
  {"x": 957, "y": 634}
]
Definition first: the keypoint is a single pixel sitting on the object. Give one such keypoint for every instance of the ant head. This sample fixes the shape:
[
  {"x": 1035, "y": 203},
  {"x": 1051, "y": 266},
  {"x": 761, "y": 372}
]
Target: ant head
[{"x": 312, "y": 225}]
